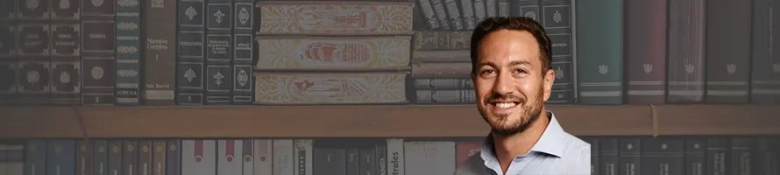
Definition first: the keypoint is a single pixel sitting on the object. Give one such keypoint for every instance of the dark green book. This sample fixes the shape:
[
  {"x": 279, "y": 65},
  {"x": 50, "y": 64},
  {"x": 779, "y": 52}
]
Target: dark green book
[{"x": 599, "y": 43}]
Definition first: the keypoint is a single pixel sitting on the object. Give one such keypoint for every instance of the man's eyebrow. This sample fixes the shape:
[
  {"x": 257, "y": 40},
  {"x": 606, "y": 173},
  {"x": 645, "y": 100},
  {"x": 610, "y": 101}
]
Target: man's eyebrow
[{"x": 520, "y": 62}]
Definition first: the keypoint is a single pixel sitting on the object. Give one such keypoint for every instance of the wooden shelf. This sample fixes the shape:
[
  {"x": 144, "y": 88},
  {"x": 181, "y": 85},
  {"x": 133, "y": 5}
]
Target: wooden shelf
[{"x": 369, "y": 121}]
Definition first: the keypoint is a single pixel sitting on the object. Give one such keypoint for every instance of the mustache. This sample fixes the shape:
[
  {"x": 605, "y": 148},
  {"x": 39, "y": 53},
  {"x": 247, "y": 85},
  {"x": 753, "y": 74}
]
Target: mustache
[{"x": 505, "y": 97}]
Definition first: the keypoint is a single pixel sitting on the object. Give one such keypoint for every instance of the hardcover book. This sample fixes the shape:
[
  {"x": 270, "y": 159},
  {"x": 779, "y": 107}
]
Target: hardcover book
[
  {"x": 65, "y": 53},
  {"x": 128, "y": 52},
  {"x": 191, "y": 52},
  {"x": 334, "y": 53},
  {"x": 219, "y": 51},
  {"x": 160, "y": 48},
  {"x": 600, "y": 52},
  {"x": 98, "y": 62},
  {"x": 333, "y": 88},
  {"x": 335, "y": 18}
]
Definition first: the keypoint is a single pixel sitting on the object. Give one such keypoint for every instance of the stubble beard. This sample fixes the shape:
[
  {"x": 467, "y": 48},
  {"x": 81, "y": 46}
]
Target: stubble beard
[{"x": 530, "y": 114}]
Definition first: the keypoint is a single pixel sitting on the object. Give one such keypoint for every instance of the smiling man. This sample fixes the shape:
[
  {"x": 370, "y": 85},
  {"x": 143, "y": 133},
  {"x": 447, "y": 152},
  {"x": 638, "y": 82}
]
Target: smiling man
[{"x": 513, "y": 77}]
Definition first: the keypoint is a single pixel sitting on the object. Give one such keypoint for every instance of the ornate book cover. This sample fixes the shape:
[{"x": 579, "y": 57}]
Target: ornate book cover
[
  {"x": 330, "y": 88},
  {"x": 334, "y": 53},
  {"x": 329, "y": 18}
]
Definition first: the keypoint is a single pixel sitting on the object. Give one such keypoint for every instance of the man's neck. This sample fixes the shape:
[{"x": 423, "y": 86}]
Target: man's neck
[{"x": 506, "y": 148}]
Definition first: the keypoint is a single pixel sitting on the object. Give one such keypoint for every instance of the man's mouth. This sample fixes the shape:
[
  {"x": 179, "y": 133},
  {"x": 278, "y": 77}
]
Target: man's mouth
[{"x": 505, "y": 105}]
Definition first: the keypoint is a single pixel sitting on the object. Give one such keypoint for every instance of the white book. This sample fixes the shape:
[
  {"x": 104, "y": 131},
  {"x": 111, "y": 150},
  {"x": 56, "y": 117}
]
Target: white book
[
  {"x": 247, "y": 157},
  {"x": 198, "y": 157},
  {"x": 430, "y": 157},
  {"x": 303, "y": 155},
  {"x": 395, "y": 156},
  {"x": 283, "y": 157},
  {"x": 263, "y": 156},
  {"x": 229, "y": 157}
]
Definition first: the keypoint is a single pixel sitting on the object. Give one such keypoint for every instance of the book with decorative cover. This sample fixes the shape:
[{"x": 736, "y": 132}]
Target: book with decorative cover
[
  {"x": 65, "y": 52},
  {"x": 364, "y": 18},
  {"x": 33, "y": 39},
  {"x": 599, "y": 52},
  {"x": 191, "y": 52},
  {"x": 243, "y": 52},
  {"x": 219, "y": 51},
  {"x": 98, "y": 39},
  {"x": 128, "y": 52}
]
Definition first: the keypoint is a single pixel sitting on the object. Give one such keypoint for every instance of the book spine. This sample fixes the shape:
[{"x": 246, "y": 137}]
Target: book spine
[
  {"x": 129, "y": 157},
  {"x": 191, "y": 51},
  {"x": 247, "y": 161},
  {"x": 381, "y": 157},
  {"x": 367, "y": 159},
  {"x": 115, "y": 157},
  {"x": 159, "y": 62},
  {"x": 219, "y": 51},
  {"x": 100, "y": 157},
  {"x": 283, "y": 158},
  {"x": 243, "y": 52},
  {"x": 556, "y": 19},
  {"x": 629, "y": 156},
  {"x": 728, "y": 52},
  {"x": 328, "y": 160},
  {"x": 335, "y": 88},
  {"x": 442, "y": 40},
  {"x": 199, "y": 157},
  {"x": 227, "y": 153},
  {"x": 467, "y": 9},
  {"x": 33, "y": 50},
  {"x": 490, "y": 8},
  {"x": 98, "y": 48},
  {"x": 453, "y": 12},
  {"x": 302, "y": 152},
  {"x": 742, "y": 161},
  {"x": 442, "y": 56},
  {"x": 600, "y": 52},
  {"x": 334, "y": 53},
  {"x": 444, "y": 96},
  {"x": 159, "y": 156},
  {"x": 65, "y": 53},
  {"x": 301, "y": 17},
  {"x": 263, "y": 156},
  {"x": 83, "y": 161},
  {"x": 60, "y": 156},
  {"x": 128, "y": 52},
  {"x": 8, "y": 59},
  {"x": 353, "y": 161},
  {"x": 503, "y": 8},
  {"x": 526, "y": 8},
  {"x": 662, "y": 156},
  {"x": 145, "y": 154},
  {"x": 441, "y": 70},
  {"x": 717, "y": 158},
  {"x": 766, "y": 156},
  {"x": 646, "y": 52},
  {"x": 766, "y": 66},
  {"x": 35, "y": 157},
  {"x": 395, "y": 156},
  {"x": 428, "y": 14},
  {"x": 443, "y": 83},
  {"x": 608, "y": 148},
  {"x": 14, "y": 157},
  {"x": 685, "y": 71},
  {"x": 441, "y": 14},
  {"x": 695, "y": 152},
  {"x": 479, "y": 10},
  {"x": 173, "y": 165}
]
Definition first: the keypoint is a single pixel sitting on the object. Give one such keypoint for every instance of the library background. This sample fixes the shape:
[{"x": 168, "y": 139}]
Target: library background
[{"x": 374, "y": 87}]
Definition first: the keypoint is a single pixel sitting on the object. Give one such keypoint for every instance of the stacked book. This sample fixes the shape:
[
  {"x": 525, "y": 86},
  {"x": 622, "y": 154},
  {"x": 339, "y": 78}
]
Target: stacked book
[{"x": 312, "y": 52}]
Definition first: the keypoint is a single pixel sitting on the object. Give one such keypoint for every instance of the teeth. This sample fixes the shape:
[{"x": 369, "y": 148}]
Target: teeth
[{"x": 505, "y": 105}]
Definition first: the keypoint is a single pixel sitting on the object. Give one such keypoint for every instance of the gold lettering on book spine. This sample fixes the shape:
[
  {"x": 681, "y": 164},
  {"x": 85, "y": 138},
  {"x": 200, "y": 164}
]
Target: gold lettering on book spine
[
  {"x": 334, "y": 18},
  {"x": 333, "y": 53},
  {"x": 330, "y": 88}
]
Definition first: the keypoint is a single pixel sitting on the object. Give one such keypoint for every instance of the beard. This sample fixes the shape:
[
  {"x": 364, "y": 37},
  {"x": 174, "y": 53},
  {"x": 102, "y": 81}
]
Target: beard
[{"x": 504, "y": 125}]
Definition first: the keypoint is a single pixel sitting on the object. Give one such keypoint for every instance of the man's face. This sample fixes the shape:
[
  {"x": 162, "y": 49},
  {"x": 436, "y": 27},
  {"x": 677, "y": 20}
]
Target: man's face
[{"x": 510, "y": 84}]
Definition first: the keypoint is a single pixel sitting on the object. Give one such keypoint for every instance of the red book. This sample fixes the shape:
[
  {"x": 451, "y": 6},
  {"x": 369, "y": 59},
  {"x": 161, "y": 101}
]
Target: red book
[{"x": 646, "y": 51}]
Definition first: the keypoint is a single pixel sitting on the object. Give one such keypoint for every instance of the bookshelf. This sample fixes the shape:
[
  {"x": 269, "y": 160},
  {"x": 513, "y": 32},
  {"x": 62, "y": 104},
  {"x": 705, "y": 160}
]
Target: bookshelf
[{"x": 370, "y": 121}]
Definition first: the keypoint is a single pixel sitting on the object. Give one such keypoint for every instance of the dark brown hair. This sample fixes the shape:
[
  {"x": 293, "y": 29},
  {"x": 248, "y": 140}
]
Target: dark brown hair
[{"x": 494, "y": 24}]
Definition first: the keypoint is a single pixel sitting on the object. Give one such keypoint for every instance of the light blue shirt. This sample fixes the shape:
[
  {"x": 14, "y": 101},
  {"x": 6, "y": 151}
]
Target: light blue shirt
[{"x": 556, "y": 152}]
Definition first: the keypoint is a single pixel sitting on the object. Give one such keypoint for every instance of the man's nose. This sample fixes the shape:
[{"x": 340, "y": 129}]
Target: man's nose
[{"x": 503, "y": 83}]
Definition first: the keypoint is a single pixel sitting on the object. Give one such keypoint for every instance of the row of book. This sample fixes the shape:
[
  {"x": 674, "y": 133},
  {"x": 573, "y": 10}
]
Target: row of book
[
  {"x": 218, "y": 52},
  {"x": 624, "y": 155}
]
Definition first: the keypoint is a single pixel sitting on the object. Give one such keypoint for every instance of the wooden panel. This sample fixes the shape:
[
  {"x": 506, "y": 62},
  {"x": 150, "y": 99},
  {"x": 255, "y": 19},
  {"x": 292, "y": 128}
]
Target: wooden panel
[
  {"x": 369, "y": 121},
  {"x": 719, "y": 119}
]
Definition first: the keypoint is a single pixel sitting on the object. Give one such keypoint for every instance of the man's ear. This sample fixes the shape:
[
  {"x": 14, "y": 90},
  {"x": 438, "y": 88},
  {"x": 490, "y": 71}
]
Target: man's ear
[{"x": 549, "y": 79}]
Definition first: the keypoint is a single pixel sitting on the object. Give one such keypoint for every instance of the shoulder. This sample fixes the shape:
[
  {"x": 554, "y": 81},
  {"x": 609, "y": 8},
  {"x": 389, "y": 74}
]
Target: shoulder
[
  {"x": 474, "y": 165},
  {"x": 577, "y": 155}
]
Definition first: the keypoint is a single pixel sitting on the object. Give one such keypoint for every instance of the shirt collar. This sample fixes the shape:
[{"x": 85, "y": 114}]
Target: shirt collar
[{"x": 551, "y": 141}]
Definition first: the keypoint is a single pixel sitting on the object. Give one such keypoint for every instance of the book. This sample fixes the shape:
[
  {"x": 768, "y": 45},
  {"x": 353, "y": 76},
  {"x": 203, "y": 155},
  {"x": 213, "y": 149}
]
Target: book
[{"x": 599, "y": 44}]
